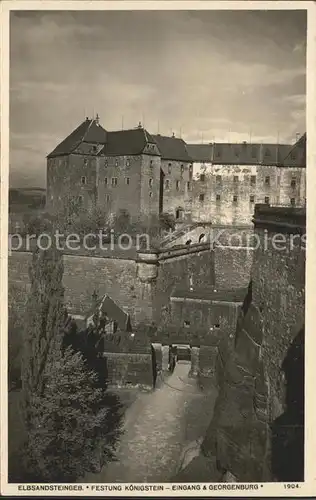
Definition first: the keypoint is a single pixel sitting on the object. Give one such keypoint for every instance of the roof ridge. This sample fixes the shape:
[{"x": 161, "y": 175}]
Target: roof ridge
[{"x": 87, "y": 129}]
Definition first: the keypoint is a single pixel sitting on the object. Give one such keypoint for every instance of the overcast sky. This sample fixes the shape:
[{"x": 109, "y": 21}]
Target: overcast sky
[{"x": 214, "y": 75}]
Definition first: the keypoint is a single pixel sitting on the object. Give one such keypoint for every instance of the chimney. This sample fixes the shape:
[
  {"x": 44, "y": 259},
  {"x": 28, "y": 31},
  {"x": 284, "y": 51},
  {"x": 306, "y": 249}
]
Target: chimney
[
  {"x": 173, "y": 134},
  {"x": 140, "y": 125},
  {"x": 97, "y": 119},
  {"x": 298, "y": 135}
]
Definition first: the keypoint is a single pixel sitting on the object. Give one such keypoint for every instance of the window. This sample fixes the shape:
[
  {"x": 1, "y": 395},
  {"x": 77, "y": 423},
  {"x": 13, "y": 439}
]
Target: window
[
  {"x": 235, "y": 198},
  {"x": 267, "y": 180},
  {"x": 80, "y": 199},
  {"x": 187, "y": 324},
  {"x": 151, "y": 163},
  {"x": 105, "y": 181},
  {"x": 189, "y": 186},
  {"x": 150, "y": 194},
  {"x": 177, "y": 185},
  {"x": 179, "y": 214},
  {"x": 218, "y": 197},
  {"x": 85, "y": 161},
  {"x": 167, "y": 183},
  {"x": 218, "y": 179},
  {"x": 116, "y": 163},
  {"x": 267, "y": 200},
  {"x": 150, "y": 183},
  {"x": 253, "y": 180},
  {"x": 201, "y": 197},
  {"x": 235, "y": 178},
  {"x": 105, "y": 163},
  {"x": 127, "y": 180},
  {"x": 252, "y": 198},
  {"x": 114, "y": 181},
  {"x": 128, "y": 162},
  {"x": 217, "y": 325},
  {"x": 107, "y": 198},
  {"x": 190, "y": 171},
  {"x": 169, "y": 168},
  {"x": 202, "y": 177},
  {"x": 293, "y": 182},
  {"x": 292, "y": 202},
  {"x": 182, "y": 168},
  {"x": 83, "y": 180}
]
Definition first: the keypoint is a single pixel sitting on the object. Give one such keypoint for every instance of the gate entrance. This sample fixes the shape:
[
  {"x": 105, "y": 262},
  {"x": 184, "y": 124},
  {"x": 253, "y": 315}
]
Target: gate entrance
[{"x": 178, "y": 352}]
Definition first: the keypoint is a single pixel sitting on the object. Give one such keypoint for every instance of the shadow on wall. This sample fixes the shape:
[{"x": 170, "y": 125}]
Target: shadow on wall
[{"x": 288, "y": 429}]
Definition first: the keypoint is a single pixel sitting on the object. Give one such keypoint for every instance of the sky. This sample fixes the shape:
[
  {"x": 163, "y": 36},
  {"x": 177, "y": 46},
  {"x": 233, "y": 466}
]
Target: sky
[{"x": 225, "y": 76}]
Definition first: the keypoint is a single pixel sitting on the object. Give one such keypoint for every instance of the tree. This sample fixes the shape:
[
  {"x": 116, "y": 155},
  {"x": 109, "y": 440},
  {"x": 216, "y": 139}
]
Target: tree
[
  {"x": 45, "y": 318},
  {"x": 71, "y": 419},
  {"x": 71, "y": 431}
]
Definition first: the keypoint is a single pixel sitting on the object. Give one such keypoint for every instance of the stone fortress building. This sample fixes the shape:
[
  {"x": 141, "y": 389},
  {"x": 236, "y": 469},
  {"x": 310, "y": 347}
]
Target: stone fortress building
[{"x": 146, "y": 174}]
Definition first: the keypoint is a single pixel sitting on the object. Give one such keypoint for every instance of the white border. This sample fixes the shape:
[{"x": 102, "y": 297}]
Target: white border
[{"x": 308, "y": 488}]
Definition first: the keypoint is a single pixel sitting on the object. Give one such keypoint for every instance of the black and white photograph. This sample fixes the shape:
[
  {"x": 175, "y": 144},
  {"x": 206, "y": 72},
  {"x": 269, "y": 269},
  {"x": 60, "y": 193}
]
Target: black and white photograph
[{"x": 156, "y": 249}]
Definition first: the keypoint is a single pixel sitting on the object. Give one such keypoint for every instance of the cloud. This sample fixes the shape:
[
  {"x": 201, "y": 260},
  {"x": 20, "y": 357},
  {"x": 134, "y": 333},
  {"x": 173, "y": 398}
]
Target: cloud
[{"x": 204, "y": 72}]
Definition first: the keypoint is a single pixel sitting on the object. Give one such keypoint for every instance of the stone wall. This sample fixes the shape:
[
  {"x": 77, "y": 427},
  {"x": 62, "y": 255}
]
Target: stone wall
[
  {"x": 130, "y": 369},
  {"x": 232, "y": 266},
  {"x": 125, "y": 193},
  {"x": 64, "y": 181},
  {"x": 230, "y": 192},
  {"x": 257, "y": 430},
  {"x": 140, "y": 286},
  {"x": 177, "y": 186}
]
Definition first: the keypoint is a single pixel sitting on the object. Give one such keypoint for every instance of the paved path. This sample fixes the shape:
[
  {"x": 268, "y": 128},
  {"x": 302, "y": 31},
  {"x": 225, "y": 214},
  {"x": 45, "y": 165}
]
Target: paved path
[{"x": 156, "y": 431}]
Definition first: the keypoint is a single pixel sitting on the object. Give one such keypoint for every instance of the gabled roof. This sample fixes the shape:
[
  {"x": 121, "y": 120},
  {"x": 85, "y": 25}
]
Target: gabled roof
[
  {"x": 172, "y": 148},
  {"x": 200, "y": 152},
  {"x": 89, "y": 131},
  {"x": 128, "y": 142},
  {"x": 297, "y": 153},
  {"x": 106, "y": 306},
  {"x": 240, "y": 154}
]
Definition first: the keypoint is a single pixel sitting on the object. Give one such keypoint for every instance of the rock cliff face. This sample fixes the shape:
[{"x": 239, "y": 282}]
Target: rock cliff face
[{"x": 257, "y": 430}]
